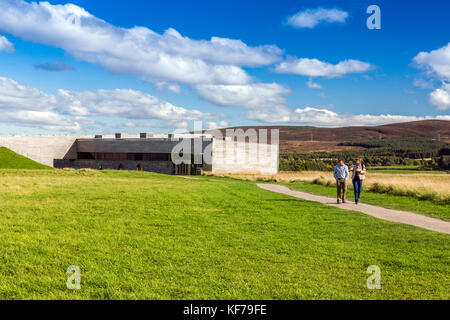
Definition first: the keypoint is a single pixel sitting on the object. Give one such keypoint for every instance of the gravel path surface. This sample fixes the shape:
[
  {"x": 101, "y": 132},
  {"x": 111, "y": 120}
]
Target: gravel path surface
[{"x": 378, "y": 212}]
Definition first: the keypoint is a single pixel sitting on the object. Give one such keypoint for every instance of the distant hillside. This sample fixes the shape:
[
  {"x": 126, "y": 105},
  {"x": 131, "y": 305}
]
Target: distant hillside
[
  {"x": 12, "y": 160},
  {"x": 313, "y": 139}
]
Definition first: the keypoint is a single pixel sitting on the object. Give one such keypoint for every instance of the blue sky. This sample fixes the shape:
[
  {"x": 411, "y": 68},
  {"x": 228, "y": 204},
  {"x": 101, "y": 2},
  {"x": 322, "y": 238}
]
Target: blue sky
[{"x": 84, "y": 66}]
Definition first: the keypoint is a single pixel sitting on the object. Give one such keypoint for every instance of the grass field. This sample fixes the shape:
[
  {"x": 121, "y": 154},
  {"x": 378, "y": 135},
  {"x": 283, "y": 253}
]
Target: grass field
[
  {"x": 148, "y": 236},
  {"x": 425, "y": 207},
  {"x": 420, "y": 185},
  {"x": 420, "y": 193},
  {"x": 12, "y": 160},
  {"x": 405, "y": 170}
]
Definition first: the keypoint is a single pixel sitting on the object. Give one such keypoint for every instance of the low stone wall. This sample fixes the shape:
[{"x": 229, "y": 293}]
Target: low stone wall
[
  {"x": 165, "y": 167},
  {"x": 42, "y": 149}
]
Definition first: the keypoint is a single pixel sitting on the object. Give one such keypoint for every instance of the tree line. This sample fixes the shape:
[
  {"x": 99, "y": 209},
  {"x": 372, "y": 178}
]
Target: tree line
[{"x": 385, "y": 152}]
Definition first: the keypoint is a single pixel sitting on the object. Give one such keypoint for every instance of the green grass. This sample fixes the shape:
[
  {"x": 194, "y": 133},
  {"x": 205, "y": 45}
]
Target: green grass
[
  {"x": 148, "y": 236},
  {"x": 425, "y": 207},
  {"x": 12, "y": 160}
]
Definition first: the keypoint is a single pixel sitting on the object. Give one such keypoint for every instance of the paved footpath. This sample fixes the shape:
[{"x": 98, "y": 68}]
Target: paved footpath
[{"x": 377, "y": 212}]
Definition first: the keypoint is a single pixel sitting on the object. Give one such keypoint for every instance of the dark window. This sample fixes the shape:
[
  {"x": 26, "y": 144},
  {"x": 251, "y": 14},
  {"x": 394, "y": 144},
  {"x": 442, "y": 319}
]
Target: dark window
[
  {"x": 159, "y": 157},
  {"x": 135, "y": 156},
  {"x": 85, "y": 156}
]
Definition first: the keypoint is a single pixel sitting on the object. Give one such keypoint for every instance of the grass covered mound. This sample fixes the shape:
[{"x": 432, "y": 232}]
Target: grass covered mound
[
  {"x": 12, "y": 160},
  {"x": 139, "y": 235}
]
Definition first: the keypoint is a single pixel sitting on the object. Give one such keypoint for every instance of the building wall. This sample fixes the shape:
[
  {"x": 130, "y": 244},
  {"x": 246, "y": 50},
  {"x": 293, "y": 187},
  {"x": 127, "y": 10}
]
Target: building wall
[
  {"x": 42, "y": 149},
  {"x": 136, "y": 145},
  {"x": 228, "y": 156},
  {"x": 234, "y": 157},
  {"x": 164, "y": 167}
]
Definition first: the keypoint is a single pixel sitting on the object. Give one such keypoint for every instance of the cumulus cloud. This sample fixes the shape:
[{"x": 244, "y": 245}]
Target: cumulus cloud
[
  {"x": 175, "y": 88},
  {"x": 137, "y": 51},
  {"x": 56, "y": 65},
  {"x": 313, "y": 85},
  {"x": 65, "y": 110},
  {"x": 126, "y": 103},
  {"x": 436, "y": 62},
  {"x": 40, "y": 119},
  {"x": 326, "y": 118},
  {"x": 441, "y": 97},
  {"x": 264, "y": 101},
  {"x": 177, "y": 126},
  {"x": 5, "y": 45},
  {"x": 310, "y": 18},
  {"x": 317, "y": 68},
  {"x": 15, "y": 95},
  {"x": 255, "y": 95},
  {"x": 216, "y": 125}
]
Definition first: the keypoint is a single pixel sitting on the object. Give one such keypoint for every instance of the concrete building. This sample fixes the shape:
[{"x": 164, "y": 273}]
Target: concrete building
[{"x": 168, "y": 154}]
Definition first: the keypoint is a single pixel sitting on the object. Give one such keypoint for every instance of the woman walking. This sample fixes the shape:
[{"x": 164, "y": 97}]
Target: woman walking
[{"x": 358, "y": 176}]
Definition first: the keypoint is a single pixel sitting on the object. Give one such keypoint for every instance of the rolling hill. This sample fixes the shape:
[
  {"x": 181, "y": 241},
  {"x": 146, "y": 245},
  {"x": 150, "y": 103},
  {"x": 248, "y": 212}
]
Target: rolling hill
[
  {"x": 12, "y": 160},
  {"x": 314, "y": 139}
]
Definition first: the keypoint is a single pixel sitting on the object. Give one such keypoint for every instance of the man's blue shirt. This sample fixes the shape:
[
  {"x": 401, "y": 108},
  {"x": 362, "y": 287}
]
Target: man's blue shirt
[{"x": 341, "y": 172}]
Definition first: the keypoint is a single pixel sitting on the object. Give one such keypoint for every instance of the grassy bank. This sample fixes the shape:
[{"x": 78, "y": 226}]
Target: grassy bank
[
  {"x": 12, "y": 160},
  {"x": 147, "y": 236}
]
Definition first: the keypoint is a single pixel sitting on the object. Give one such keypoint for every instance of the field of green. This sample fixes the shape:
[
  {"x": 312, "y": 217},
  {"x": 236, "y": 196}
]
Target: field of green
[
  {"x": 12, "y": 160},
  {"x": 139, "y": 235}
]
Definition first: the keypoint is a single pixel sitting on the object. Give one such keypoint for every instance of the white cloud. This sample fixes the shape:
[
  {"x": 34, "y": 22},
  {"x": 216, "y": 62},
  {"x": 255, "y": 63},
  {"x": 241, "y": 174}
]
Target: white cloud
[
  {"x": 177, "y": 126},
  {"x": 5, "y": 45},
  {"x": 137, "y": 51},
  {"x": 216, "y": 125},
  {"x": 65, "y": 110},
  {"x": 317, "y": 68},
  {"x": 264, "y": 101},
  {"x": 130, "y": 125},
  {"x": 275, "y": 114},
  {"x": 441, "y": 97},
  {"x": 437, "y": 62},
  {"x": 15, "y": 95},
  {"x": 313, "y": 85},
  {"x": 169, "y": 86},
  {"x": 40, "y": 119},
  {"x": 328, "y": 118},
  {"x": 310, "y": 18},
  {"x": 126, "y": 103},
  {"x": 324, "y": 117},
  {"x": 255, "y": 95}
]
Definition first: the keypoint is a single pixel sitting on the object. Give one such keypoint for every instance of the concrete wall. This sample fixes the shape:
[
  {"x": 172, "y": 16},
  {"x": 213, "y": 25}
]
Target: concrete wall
[
  {"x": 235, "y": 157},
  {"x": 164, "y": 167},
  {"x": 135, "y": 145},
  {"x": 42, "y": 149}
]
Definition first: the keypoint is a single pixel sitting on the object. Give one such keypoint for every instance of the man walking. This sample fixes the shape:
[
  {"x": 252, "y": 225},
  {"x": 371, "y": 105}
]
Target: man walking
[{"x": 341, "y": 175}]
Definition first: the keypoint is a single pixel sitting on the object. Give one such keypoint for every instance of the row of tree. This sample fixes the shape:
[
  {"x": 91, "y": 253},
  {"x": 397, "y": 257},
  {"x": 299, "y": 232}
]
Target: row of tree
[{"x": 385, "y": 152}]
